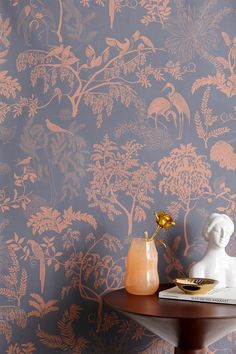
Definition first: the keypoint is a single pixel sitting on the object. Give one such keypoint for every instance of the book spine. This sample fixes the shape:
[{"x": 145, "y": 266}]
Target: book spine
[
  {"x": 213, "y": 299},
  {"x": 199, "y": 298}
]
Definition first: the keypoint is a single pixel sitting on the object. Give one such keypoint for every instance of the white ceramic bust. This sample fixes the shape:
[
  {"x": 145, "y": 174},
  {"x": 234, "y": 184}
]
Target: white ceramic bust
[{"x": 216, "y": 263}]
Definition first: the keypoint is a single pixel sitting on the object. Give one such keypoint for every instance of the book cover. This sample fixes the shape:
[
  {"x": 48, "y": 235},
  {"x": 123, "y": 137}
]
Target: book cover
[{"x": 218, "y": 295}]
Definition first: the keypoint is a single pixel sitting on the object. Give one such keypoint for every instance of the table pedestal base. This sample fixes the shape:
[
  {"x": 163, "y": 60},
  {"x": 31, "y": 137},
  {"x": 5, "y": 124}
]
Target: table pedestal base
[
  {"x": 190, "y": 351},
  {"x": 189, "y": 326},
  {"x": 188, "y": 336}
]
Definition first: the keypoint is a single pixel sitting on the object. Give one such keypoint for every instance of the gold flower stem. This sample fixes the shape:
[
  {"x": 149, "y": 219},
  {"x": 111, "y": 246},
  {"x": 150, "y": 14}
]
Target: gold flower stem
[{"x": 155, "y": 233}]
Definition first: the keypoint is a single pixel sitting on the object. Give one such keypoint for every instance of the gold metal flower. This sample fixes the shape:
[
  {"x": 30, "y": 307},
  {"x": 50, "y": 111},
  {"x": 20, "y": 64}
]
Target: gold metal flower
[{"x": 164, "y": 221}]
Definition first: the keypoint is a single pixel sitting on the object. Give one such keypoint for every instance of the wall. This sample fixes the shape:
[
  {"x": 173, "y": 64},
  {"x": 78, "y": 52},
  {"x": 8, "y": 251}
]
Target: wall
[{"x": 109, "y": 111}]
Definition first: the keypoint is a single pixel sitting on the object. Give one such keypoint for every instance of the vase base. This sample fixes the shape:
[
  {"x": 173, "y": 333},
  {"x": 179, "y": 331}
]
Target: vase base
[{"x": 133, "y": 291}]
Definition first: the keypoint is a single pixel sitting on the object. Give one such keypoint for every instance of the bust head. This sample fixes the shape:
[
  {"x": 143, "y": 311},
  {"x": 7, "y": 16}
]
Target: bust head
[{"x": 218, "y": 229}]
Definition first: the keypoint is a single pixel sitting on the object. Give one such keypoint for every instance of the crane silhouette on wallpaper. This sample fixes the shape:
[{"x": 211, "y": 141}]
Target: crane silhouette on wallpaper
[
  {"x": 179, "y": 103},
  {"x": 160, "y": 106}
]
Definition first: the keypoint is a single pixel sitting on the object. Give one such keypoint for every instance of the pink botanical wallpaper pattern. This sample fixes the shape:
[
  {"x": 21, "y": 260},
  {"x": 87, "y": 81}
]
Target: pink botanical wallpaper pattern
[{"x": 109, "y": 110}]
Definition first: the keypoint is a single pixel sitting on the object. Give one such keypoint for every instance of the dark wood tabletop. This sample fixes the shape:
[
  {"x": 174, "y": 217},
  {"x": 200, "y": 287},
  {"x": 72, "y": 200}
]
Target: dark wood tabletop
[
  {"x": 189, "y": 326},
  {"x": 151, "y": 305}
]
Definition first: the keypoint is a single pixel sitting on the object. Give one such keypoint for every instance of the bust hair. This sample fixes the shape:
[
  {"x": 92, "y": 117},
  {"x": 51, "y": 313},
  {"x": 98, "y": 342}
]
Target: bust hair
[{"x": 222, "y": 220}]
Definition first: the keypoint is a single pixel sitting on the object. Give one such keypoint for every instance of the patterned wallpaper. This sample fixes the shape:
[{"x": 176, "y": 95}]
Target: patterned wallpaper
[{"x": 110, "y": 110}]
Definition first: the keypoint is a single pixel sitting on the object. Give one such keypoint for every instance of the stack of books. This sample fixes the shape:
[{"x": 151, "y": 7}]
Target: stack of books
[{"x": 217, "y": 295}]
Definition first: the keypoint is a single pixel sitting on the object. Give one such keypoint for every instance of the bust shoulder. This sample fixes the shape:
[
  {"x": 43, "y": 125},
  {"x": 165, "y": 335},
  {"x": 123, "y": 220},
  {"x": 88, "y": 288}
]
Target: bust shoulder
[
  {"x": 197, "y": 270},
  {"x": 232, "y": 263}
]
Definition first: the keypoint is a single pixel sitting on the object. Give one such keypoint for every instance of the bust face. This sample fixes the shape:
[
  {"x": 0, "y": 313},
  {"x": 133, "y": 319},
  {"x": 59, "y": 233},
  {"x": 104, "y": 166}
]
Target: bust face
[{"x": 219, "y": 237}]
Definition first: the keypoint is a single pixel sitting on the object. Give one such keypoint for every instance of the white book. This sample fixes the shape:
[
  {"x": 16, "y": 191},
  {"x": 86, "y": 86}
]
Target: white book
[{"x": 218, "y": 295}]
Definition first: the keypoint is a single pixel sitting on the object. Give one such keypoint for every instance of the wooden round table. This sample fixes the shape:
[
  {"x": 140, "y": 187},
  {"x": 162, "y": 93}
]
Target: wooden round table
[{"x": 189, "y": 326}]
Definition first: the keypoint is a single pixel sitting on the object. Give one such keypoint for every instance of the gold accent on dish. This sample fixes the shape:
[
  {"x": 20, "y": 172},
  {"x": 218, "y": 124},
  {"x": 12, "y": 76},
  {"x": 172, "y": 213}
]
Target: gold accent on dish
[{"x": 195, "y": 286}]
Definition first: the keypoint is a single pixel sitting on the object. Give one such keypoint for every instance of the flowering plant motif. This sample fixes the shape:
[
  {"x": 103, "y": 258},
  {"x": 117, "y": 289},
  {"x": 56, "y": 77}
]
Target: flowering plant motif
[
  {"x": 187, "y": 177},
  {"x": 156, "y": 11},
  {"x": 118, "y": 175},
  {"x": 163, "y": 221},
  {"x": 205, "y": 118}
]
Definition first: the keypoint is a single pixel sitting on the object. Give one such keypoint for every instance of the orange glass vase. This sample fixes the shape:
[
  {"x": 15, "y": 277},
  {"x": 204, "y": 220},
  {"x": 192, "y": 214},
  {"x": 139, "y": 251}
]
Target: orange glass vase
[{"x": 141, "y": 277}]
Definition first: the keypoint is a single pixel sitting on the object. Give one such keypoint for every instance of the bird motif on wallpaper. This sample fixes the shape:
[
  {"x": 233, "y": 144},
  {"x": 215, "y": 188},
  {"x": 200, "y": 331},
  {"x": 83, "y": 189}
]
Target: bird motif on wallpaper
[
  {"x": 179, "y": 102},
  {"x": 93, "y": 60},
  {"x": 122, "y": 47},
  {"x": 39, "y": 255},
  {"x": 127, "y": 44},
  {"x": 56, "y": 128},
  {"x": 148, "y": 43},
  {"x": 161, "y": 106},
  {"x": 25, "y": 161}
]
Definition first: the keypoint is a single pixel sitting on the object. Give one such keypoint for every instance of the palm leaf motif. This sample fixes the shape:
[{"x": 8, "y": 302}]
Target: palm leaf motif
[
  {"x": 42, "y": 308},
  {"x": 204, "y": 121},
  {"x": 15, "y": 281},
  {"x": 11, "y": 294},
  {"x": 51, "y": 219},
  {"x": 23, "y": 283},
  {"x": 51, "y": 341},
  {"x": 66, "y": 340},
  {"x": 199, "y": 126},
  {"x": 27, "y": 348},
  {"x": 6, "y": 330},
  {"x": 80, "y": 345},
  {"x": 195, "y": 30},
  {"x": 218, "y": 132},
  {"x": 205, "y": 99}
]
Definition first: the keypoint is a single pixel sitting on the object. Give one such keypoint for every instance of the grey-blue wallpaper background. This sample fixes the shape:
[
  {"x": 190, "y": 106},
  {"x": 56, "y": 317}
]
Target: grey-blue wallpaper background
[{"x": 109, "y": 110}]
